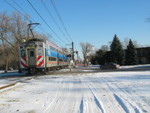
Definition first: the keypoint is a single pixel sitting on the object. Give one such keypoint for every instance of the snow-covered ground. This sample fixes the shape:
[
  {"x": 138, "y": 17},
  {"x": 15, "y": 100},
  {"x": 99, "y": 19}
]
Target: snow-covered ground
[{"x": 104, "y": 92}]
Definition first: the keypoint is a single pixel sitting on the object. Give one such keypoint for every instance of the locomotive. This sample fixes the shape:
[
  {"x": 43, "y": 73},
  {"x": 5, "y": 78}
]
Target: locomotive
[{"x": 38, "y": 55}]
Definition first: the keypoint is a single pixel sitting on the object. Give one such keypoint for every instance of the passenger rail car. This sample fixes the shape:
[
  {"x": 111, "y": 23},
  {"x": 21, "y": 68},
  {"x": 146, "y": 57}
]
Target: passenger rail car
[{"x": 37, "y": 55}]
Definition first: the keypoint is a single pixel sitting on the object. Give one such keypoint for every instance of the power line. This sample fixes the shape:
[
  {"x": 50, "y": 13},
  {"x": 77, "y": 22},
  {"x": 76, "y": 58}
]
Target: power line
[
  {"x": 60, "y": 19},
  {"x": 44, "y": 20},
  {"x": 32, "y": 19},
  {"x": 19, "y": 6},
  {"x": 11, "y": 5},
  {"x": 58, "y": 14},
  {"x": 53, "y": 19}
]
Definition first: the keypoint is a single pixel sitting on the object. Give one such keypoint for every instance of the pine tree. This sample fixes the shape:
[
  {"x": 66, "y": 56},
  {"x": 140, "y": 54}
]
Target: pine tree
[
  {"x": 100, "y": 56},
  {"x": 131, "y": 55},
  {"x": 117, "y": 52}
]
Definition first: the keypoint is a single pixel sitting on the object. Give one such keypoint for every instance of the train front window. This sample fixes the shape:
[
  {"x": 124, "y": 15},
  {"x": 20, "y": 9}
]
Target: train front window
[
  {"x": 31, "y": 53},
  {"x": 22, "y": 53}
]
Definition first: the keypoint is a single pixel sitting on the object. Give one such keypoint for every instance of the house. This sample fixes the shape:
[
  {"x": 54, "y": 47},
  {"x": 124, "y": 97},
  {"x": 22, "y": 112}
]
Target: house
[{"x": 143, "y": 54}]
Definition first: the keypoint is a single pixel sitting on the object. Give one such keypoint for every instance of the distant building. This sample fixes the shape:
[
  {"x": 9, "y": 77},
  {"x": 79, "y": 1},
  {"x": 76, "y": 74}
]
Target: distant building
[{"x": 143, "y": 54}]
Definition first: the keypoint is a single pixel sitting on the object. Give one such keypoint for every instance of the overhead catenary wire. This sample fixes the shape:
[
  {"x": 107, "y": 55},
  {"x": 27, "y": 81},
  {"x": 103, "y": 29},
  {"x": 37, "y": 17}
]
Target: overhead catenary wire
[
  {"x": 54, "y": 20},
  {"x": 14, "y": 7},
  {"x": 44, "y": 21},
  {"x": 32, "y": 19},
  {"x": 61, "y": 21},
  {"x": 54, "y": 6},
  {"x": 19, "y": 6},
  {"x": 58, "y": 14},
  {"x": 11, "y": 5}
]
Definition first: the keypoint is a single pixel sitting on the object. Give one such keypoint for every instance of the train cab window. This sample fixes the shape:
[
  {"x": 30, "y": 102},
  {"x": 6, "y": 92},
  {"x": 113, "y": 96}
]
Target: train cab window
[
  {"x": 22, "y": 53},
  {"x": 31, "y": 53},
  {"x": 40, "y": 45}
]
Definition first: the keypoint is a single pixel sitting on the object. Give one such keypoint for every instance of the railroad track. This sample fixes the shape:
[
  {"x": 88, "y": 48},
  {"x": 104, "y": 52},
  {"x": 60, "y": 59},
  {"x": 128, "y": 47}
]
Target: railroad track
[{"x": 15, "y": 81}]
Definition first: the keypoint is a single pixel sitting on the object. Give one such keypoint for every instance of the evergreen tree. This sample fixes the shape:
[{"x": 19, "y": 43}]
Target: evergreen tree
[
  {"x": 116, "y": 51},
  {"x": 131, "y": 55},
  {"x": 100, "y": 56}
]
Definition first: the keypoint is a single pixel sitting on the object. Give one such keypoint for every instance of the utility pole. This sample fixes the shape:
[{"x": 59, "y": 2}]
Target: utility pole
[
  {"x": 77, "y": 57},
  {"x": 30, "y": 29},
  {"x": 73, "y": 51}
]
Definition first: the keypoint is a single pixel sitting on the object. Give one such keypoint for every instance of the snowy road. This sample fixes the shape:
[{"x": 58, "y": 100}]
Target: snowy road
[{"x": 109, "y": 92}]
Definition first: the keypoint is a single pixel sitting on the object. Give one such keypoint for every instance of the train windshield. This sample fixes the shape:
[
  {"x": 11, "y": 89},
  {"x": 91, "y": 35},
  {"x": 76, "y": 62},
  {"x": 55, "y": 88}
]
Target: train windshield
[
  {"x": 31, "y": 53},
  {"x": 22, "y": 53}
]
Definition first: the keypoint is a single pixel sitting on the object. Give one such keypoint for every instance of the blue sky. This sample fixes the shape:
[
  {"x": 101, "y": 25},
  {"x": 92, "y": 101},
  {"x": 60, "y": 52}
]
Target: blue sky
[{"x": 92, "y": 21}]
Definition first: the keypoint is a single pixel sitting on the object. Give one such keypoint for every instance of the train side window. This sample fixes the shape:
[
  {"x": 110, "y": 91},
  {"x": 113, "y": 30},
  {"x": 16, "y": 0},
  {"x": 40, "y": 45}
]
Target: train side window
[
  {"x": 52, "y": 59},
  {"x": 60, "y": 60}
]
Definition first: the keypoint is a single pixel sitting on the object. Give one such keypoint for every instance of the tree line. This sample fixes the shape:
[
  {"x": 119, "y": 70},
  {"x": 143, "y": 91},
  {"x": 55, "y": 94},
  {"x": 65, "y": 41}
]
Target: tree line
[
  {"x": 13, "y": 30},
  {"x": 117, "y": 54}
]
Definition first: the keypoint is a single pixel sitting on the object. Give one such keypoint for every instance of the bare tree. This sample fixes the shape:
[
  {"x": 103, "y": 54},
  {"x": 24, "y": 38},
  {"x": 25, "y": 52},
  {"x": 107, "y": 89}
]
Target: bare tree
[
  {"x": 4, "y": 37},
  {"x": 19, "y": 27},
  {"x": 86, "y": 49},
  {"x": 104, "y": 47},
  {"x": 126, "y": 42},
  {"x": 40, "y": 36},
  {"x": 12, "y": 30}
]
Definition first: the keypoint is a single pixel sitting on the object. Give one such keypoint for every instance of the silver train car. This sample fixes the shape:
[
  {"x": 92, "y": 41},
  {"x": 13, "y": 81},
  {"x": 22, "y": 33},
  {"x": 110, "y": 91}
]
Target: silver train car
[{"x": 37, "y": 55}]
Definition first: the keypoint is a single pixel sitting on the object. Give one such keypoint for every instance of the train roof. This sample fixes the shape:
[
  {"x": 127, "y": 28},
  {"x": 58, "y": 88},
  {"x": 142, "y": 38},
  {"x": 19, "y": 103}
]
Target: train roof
[
  {"x": 36, "y": 39},
  {"x": 45, "y": 41}
]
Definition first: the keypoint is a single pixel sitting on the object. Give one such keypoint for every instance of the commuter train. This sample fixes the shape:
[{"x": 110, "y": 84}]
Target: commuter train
[{"x": 37, "y": 55}]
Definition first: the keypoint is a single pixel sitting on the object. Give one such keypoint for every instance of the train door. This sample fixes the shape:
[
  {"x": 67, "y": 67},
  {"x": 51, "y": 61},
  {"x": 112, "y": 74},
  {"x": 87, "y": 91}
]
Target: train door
[{"x": 31, "y": 57}]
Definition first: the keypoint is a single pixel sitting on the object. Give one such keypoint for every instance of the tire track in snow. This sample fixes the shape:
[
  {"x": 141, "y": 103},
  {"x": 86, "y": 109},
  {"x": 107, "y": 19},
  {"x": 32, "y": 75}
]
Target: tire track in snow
[
  {"x": 97, "y": 102},
  {"x": 135, "y": 106},
  {"x": 78, "y": 106},
  {"x": 84, "y": 106},
  {"x": 81, "y": 105},
  {"x": 69, "y": 87},
  {"x": 105, "y": 96},
  {"x": 87, "y": 102},
  {"x": 122, "y": 101},
  {"x": 54, "y": 101}
]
